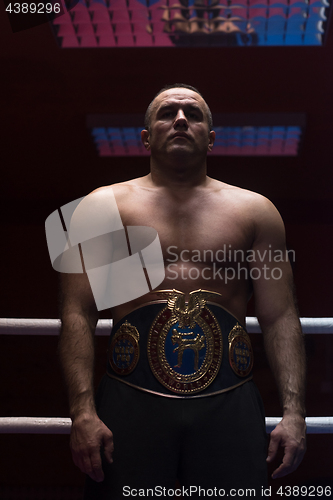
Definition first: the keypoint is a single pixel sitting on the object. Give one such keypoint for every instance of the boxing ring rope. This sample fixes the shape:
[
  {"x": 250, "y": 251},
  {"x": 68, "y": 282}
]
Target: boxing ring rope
[
  {"x": 62, "y": 425},
  {"x": 19, "y": 326}
]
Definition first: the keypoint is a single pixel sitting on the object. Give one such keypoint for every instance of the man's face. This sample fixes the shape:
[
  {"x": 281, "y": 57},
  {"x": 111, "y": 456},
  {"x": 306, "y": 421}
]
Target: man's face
[{"x": 179, "y": 124}]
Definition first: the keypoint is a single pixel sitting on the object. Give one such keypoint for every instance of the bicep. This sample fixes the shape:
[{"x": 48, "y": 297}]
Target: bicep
[
  {"x": 273, "y": 293},
  {"x": 272, "y": 279}
]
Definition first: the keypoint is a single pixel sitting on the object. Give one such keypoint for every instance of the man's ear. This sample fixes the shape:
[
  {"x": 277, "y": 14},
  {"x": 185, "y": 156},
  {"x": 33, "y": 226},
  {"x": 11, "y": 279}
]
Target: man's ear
[
  {"x": 145, "y": 139},
  {"x": 211, "y": 140}
]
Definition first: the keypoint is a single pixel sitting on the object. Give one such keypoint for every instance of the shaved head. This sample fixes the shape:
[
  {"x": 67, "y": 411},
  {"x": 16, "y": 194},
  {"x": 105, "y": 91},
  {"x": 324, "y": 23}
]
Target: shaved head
[{"x": 176, "y": 86}]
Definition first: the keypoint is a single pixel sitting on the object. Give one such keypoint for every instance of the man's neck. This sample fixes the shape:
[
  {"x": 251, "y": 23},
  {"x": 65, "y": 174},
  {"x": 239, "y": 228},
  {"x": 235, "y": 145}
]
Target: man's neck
[{"x": 177, "y": 176}]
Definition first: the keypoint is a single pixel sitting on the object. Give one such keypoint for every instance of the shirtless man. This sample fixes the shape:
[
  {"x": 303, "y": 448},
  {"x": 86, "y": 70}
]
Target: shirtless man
[{"x": 192, "y": 213}]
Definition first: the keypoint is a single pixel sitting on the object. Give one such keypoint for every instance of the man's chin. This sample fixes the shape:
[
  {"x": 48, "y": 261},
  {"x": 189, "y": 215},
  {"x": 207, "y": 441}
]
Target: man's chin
[
  {"x": 184, "y": 147},
  {"x": 183, "y": 151}
]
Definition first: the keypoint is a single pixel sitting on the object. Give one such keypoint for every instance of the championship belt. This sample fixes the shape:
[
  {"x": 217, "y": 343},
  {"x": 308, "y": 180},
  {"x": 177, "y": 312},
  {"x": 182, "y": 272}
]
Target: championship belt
[
  {"x": 185, "y": 343},
  {"x": 179, "y": 349}
]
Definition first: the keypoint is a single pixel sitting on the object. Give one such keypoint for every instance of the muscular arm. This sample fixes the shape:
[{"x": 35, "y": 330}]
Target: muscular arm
[
  {"x": 285, "y": 352},
  {"x": 76, "y": 348},
  {"x": 278, "y": 318}
]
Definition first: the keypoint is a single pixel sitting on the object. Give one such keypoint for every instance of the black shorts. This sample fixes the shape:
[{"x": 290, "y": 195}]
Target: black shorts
[{"x": 217, "y": 442}]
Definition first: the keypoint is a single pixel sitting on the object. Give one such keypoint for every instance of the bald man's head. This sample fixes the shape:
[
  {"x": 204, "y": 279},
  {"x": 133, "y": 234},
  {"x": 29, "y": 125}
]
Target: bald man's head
[{"x": 176, "y": 86}]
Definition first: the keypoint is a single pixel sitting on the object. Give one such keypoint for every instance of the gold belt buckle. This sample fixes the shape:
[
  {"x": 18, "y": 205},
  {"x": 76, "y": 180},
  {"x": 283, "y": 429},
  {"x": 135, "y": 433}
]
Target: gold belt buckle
[{"x": 185, "y": 343}]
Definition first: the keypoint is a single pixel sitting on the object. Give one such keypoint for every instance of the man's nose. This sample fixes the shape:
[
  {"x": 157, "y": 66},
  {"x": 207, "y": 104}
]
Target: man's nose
[{"x": 180, "y": 119}]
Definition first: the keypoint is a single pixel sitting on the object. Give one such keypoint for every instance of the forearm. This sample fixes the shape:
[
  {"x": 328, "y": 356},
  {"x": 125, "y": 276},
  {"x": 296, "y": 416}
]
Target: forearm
[
  {"x": 286, "y": 354},
  {"x": 76, "y": 349}
]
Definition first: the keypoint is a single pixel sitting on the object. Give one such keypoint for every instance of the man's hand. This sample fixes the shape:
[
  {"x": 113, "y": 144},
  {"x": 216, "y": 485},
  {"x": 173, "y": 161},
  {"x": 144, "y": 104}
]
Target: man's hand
[
  {"x": 290, "y": 434},
  {"x": 88, "y": 435}
]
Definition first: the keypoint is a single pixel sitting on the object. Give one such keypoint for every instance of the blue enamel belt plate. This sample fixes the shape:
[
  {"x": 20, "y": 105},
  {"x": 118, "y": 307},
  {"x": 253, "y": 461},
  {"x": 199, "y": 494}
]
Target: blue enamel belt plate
[
  {"x": 185, "y": 343},
  {"x": 240, "y": 351},
  {"x": 124, "y": 349}
]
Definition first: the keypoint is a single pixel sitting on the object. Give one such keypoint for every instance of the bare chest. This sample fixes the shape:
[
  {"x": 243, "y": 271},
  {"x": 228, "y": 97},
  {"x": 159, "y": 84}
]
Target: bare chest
[{"x": 200, "y": 226}]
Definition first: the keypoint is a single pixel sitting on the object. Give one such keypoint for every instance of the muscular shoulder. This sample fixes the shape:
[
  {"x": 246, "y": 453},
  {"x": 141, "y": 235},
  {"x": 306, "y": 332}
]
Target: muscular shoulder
[
  {"x": 257, "y": 210},
  {"x": 99, "y": 209},
  {"x": 267, "y": 221},
  {"x": 262, "y": 211},
  {"x": 242, "y": 196},
  {"x": 119, "y": 189},
  {"x": 257, "y": 205}
]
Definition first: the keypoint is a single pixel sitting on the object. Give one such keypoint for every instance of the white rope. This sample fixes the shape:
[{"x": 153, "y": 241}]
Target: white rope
[
  {"x": 62, "y": 425},
  {"x": 19, "y": 326},
  {"x": 309, "y": 325},
  {"x": 34, "y": 425},
  {"x": 314, "y": 425}
]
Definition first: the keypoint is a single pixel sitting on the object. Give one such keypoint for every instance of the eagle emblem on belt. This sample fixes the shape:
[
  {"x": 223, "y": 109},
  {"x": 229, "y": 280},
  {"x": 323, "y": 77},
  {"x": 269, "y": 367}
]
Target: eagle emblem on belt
[
  {"x": 186, "y": 314},
  {"x": 185, "y": 342}
]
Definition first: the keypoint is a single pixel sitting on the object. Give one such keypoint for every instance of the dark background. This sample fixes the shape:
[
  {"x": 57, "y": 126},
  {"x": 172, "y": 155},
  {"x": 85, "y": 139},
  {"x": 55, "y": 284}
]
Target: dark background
[{"x": 48, "y": 159}]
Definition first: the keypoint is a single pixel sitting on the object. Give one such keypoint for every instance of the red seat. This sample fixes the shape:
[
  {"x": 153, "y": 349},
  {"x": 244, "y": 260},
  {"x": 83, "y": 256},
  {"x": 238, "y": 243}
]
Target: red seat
[
  {"x": 140, "y": 16},
  {"x": 136, "y": 5},
  {"x": 163, "y": 40},
  {"x": 88, "y": 41},
  {"x": 124, "y": 40},
  {"x": 64, "y": 19},
  {"x": 66, "y": 30},
  {"x": 70, "y": 41},
  {"x": 144, "y": 40},
  {"x": 104, "y": 29},
  {"x": 107, "y": 40},
  {"x": 140, "y": 29},
  {"x": 253, "y": 3},
  {"x": 158, "y": 28},
  {"x": 156, "y": 15},
  {"x": 257, "y": 12},
  {"x": 118, "y": 5},
  {"x": 85, "y": 29},
  {"x": 101, "y": 16},
  {"x": 81, "y": 16},
  {"x": 120, "y": 16},
  {"x": 123, "y": 29}
]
